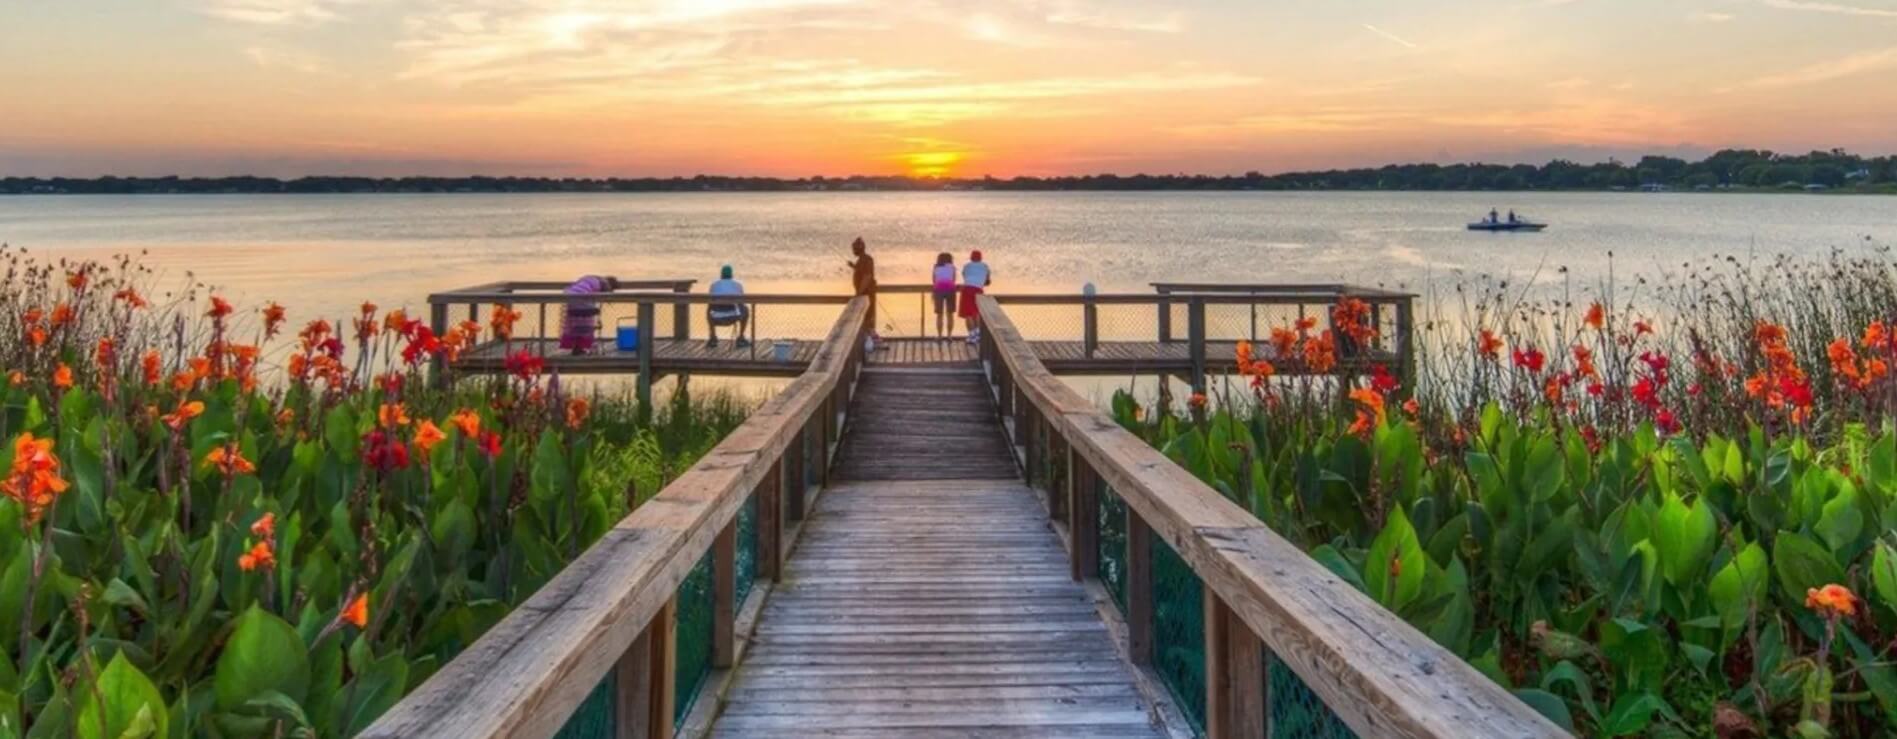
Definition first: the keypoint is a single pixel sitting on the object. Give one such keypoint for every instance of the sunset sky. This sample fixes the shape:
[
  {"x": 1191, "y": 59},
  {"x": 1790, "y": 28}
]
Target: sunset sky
[{"x": 962, "y": 87}]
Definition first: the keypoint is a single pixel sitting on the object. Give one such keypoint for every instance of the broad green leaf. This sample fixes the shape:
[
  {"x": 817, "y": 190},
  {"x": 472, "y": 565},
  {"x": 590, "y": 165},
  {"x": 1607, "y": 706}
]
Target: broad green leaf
[
  {"x": 1841, "y": 521},
  {"x": 1631, "y": 714},
  {"x": 1549, "y": 705},
  {"x": 1739, "y": 586},
  {"x": 1803, "y": 564},
  {"x": 1684, "y": 537},
  {"x": 1396, "y": 566},
  {"x": 1884, "y": 574},
  {"x": 122, "y": 704},
  {"x": 264, "y": 654}
]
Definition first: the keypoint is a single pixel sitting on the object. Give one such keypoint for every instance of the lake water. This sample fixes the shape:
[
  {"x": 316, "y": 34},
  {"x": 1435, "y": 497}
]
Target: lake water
[{"x": 325, "y": 253}]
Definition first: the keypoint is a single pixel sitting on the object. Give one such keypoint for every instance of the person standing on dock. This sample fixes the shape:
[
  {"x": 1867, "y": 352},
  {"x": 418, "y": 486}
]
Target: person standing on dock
[
  {"x": 579, "y": 320},
  {"x": 863, "y": 278},
  {"x": 942, "y": 287},
  {"x": 975, "y": 278}
]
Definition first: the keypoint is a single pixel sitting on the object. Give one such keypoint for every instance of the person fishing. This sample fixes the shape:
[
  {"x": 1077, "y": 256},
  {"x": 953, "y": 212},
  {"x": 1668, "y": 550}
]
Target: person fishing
[{"x": 863, "y": 280}]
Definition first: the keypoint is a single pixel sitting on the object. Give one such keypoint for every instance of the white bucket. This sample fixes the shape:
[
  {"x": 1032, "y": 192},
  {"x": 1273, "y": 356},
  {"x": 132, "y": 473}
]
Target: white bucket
[{"x": 781, "y": 350}]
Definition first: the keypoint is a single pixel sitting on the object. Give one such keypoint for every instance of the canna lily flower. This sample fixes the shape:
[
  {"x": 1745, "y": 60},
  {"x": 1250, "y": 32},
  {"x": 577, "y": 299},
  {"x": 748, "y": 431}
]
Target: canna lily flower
[
  {"x": 1489, "y": 346},
  {"x": 1382, "y": 381},
  {"x": 1371, "y": 415},
  {"x": 468, "y": 422},
  {"x": 62, "y": 315},
  {"x": 395, "y": 322},
  {"x": 384, "y": 453},
  {"x": 368, "y": 309},
  {"x": 1306, "y": 323},
  {"x": 489, "y": 443},
  {"x": 1596, "y": 316},
  {"x": 273, "y": 316},
  {"x": 1412, "y": 408},
  {"x": 265, "y": 526},
  {"x": 285, "y": 418},
  {"x": 1665, "y": 422},
  {"x": 1197, "y": 401},
  {"x": 1352, "y": 317},
  {"x": 1879, "y": 339},
  {"x": 131, "y": 298},
  {"x": 76, "y": 280},
  {"x": 1530, "y": 359},
  {"x": 1584, "y": 362},
  {"x": 576, "y": 410},
  {"x": 524, "y": 365},
  {"x": 229, "y": 460},
  {"x": 34, "y": 479},
  {"x": 16, "y": 378},
  {"x": 186, "y": 411},
  {"x": 357, "y": 612},
  {"x": 62, "y": 377},
  {"x": 427, "y": 435},
  {"x": 36, "y": 336},
  {"x": 260, "y": 556},
  {"x": 219, "y": 308},
  {"x": 1320, "y": 353},
  {"x": 1831, "y": 601},
  {"x": 501, "y": 321},
  {"x": 1283, "y": 342},
  {"x": 391, "y": 415}
]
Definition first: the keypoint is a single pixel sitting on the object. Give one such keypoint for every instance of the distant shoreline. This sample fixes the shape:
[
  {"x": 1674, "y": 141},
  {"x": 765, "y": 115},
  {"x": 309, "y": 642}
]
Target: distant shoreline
[
  {"x": 1871, "y": 190},
  {"x": 1730, "y": 170}
]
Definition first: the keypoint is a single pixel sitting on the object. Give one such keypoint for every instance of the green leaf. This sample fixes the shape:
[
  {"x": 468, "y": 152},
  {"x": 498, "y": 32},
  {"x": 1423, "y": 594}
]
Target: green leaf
[
  {"x": 373, "y": 692},
  {"x": 1549, "y": 705},
  {"x": 264, "y": 654},
  {"x": 1739, "y": 586},
  {"x": 1841, "y": 521},
  {"x": 1340, "y": 566},
  {"x": 1884, "y": 574},
  {"x": 339, "y": 429},
  {"x": 1395, "y": 548},
  {"x": 1684, "y": 537},
  {"x": 1631, "y": 714},
  {"x": 122, "y": 704},
  {"x": 1803, "y": 564}
]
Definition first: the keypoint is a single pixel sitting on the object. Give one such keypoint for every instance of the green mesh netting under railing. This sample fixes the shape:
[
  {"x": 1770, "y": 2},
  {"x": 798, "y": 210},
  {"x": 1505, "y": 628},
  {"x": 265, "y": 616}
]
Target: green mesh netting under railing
[
  {"x": 746, "y": 565},
  {"x": 1111, "y": 526},
  {"x": 1295, "y": 711},
  {"x": 1179, "y": 630},
  {"x": 693, "y": 636},
  {"x": 595, "y": 718}
]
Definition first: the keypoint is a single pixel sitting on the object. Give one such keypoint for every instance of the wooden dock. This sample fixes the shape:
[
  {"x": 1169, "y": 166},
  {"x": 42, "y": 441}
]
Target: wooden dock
[{"x": 930, "y": 538}]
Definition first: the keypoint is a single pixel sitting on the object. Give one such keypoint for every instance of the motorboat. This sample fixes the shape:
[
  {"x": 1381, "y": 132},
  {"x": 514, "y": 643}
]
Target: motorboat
[{"x": 1512, "y": 223}]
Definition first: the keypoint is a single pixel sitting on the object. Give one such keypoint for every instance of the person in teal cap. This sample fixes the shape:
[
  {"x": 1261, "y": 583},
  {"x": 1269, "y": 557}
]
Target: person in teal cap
[{"x": 734, "y": 313}]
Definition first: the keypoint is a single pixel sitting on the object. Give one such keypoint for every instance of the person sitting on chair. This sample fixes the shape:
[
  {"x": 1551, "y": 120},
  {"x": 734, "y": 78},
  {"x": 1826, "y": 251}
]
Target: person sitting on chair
[{"x": 728, "y": 314}]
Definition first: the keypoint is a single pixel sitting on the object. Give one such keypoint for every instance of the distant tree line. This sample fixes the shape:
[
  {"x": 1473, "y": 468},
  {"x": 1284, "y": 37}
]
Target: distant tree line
[{"x": 1730, "y": 168}]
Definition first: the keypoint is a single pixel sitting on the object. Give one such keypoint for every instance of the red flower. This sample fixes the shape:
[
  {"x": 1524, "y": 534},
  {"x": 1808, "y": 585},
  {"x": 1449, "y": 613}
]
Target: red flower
[
  {"x": 1596, "y": 316},
  {"x": 219, "y": 308},
  {"x": 1382, "y": 381},
  {"x": 1530, "y": 359},
  {"x": 1665, "y": 422},
  {"x": 489, "y": 444},
  {"x": 525, "y": 365},
  {"x": 1489, "y": 345},
  {"x": 272, "y": 318},
  {"x": 422, "y": 343},
  {"x": 1647, "y": 393},
  {"x": 383, "y": 452}
]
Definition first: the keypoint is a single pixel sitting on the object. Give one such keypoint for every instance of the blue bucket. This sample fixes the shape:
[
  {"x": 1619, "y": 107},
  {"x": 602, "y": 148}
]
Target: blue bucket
[{"x": 626, "y": 335}]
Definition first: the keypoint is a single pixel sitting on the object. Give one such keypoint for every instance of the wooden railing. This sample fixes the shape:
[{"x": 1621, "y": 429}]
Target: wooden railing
[
  {"x": 1263, "y": 598},
  {"x": 611, "y": 611}
]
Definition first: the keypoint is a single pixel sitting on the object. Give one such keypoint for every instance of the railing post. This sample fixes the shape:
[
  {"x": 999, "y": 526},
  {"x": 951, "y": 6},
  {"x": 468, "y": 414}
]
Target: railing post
[
  {"x": 1031, "y": 436},
  {"x": 770, "y": 524},
  {"x": 724, "y": 596},
  {"x": 1139, "y": 589},
  {"x": 1057, "y": 498},
  {"x": 1234, "y": 674},
  {"x": 1195, "y": 339},
  {"x": 647, "y": 311},
  {"x": 793, "y": 472},
  {"x": 1089, "y": 326},
  {"x": 1406, "y": 343},
  {"x": 1083, "y": 516},
  {"x": 681, "y": 315},
  {"x": 645, "y": 686},
  {"x": 1165, "y": 315}
]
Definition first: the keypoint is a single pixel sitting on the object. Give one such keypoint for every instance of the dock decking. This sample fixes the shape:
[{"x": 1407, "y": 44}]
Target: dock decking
[{"x": 928, "y": 595}]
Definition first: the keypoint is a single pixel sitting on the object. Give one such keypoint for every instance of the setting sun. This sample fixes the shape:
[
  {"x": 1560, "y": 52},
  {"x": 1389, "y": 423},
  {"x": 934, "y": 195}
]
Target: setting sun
[{"x": 933, "y": 163}]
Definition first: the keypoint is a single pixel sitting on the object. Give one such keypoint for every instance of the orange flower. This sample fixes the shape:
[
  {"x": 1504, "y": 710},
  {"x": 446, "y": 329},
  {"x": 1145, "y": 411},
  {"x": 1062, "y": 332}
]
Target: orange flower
[
  {"x": 1489, "y": 346},
  {"x": 357, "y": 612},
  {"x": 395, "y": 322},
  {"x": 501, "y": 321},
  {"x": 1584, "y": 362},
  {"x": 1371, "y": 400},
  {"x": 34, "y": 478},
  {"x": 1411, "y": 407},
  {"x": 1844, "y": 363},
  {"x": 1877, "y": 338},
  {"x": 62, "y": 377},
  {"x": 219, "y": 308},
  {"x": 1352, "y": 317},
  {"x": 368, "y": 309},
  {"x": 264, "y": 527},
  {"x": 576, "y": 410},
  {"x": 273, "y": 316},
  {"x": 427, "y": 435},
  {"x": 1197, "y": 402},
  {"x": 229, "y": 460},
  {"x": 1596, "y": 316},
  {"x": 130, "y": 297},
  {"x": 62, "y": 315},
  {"x": 260, "y": 556},
  {"x": 391, "y": 415},
  {"x": 1831, "y": 601},
  {"x": 16, "y": 378},
  {"x": 36, "y": 336},
  {"x": 186, "y": 411},
  {"x": 103, "y": 355},
  {"x": 1306, "y": 324},
  {"x": 468, "y": 422},
  {"x": 76, "y": 280},
  {"x": 285, "y": 417},
  {"x": 1283, "y": 342},
  {"x": 1320, "y": 353}
]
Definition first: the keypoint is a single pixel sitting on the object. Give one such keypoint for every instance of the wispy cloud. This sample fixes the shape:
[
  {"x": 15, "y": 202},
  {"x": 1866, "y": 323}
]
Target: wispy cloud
[
  {"x": 1816, "y": 6},
  {"x": 1708, "y": 16},
  {"x": 1390, "y": 36},
  {"x": 277, "y": 12},
  {"x": 1854, "y": 64}
]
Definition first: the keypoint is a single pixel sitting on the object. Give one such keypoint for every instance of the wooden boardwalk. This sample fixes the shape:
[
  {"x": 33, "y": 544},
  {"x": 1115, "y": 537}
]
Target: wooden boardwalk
[{"x": 928, "y": 595}]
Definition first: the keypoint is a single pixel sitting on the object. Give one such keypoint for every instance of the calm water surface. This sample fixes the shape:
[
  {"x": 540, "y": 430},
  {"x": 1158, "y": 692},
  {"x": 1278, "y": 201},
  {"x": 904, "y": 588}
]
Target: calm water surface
[{"x": 325, "y": 253}]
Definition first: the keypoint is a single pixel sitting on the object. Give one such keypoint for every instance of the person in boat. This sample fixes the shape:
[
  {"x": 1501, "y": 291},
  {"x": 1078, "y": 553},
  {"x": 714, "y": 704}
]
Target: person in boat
[
  {"x": 728, "y": 314},
  {"x": 1493, "y": 218},
  {"x": 1511, "y": 217},
  {"x": 579, "y": 321}
]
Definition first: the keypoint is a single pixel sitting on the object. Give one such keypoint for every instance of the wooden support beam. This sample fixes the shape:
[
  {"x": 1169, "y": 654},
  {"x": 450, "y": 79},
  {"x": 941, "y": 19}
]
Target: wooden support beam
[
  {"x": 1057, "y": 496},
  {"x": 1083, "y": 517},
  {"x": 793, "y": 478},
  {"x": 1234, "y": 675},
  {"x": 1089, "y": 326},
  {"x": 724, "y": 597},
  {"x": 664, "y": 631},
  {"x": 1195, "y": 342},
  {"x": 647, "y": 313},
  {"x": 438, "y": 322},
  {"x": 770, "y": 525},
  {"x": 1139, "y": 589},
  {"x": 632, "y": 694},
  {"x": 682, "y": 315},
  {"x": 1165, "y": 315}
]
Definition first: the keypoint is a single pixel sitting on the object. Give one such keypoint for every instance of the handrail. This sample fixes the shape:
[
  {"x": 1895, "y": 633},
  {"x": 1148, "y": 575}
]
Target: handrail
[
  {"x": 605, "y": 611},
  {"x": 1332, "y": 289},
  {"x": 1377, "y": 673},
  {"x": 638, "y": 296}
]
